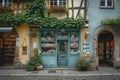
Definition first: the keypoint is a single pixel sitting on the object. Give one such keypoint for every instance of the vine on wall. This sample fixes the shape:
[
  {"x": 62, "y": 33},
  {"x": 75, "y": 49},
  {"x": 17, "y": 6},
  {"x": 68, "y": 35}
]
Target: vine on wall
[
  {"x": 35, "y": 14},
  {"x": 114, "y": 23}
]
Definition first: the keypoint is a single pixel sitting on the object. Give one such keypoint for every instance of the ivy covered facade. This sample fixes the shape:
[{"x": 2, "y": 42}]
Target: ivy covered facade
[
  {"x": 36, "y": 24},
  {"x": 60, "y": 31}
]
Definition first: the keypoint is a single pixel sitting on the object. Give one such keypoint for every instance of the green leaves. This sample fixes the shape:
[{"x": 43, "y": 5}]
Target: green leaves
[
  {"x": 37, "y": 7},
  {"x": 115, "y": 23},
  {"x": 6, "y": 17},
  {"x": 53, "y": 22},
  {"x": 35, "y": 15}
]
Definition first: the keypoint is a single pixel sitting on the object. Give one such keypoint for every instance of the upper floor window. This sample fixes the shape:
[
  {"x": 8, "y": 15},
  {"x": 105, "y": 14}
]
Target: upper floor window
[
  {"x": 58, "y": 3},
  {"x": 6, "y": 3},
  {"x": 106, "y": 3}
]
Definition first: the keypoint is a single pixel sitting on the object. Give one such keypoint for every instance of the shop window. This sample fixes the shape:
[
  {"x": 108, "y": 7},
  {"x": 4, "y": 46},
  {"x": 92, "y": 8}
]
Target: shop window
[
  {"x": 58, "y": 3},
  {"x": 6, "y": 3},
  {"x": 106, "y": 3},
  {"x": 74, "y": 42},
  {"x": 48, "y": 44}
]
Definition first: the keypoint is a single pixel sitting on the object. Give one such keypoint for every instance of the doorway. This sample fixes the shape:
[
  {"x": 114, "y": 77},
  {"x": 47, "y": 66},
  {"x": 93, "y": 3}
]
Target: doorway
[
  {"x": 7, "y": 49},
  {"x": 62, "y": 58},
  {"x": 106, "y": 48}
]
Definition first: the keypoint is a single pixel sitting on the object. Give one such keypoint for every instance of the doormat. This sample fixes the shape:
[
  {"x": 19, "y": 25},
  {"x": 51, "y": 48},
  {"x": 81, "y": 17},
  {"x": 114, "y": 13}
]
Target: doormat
[{"x": 52, "y": 71}]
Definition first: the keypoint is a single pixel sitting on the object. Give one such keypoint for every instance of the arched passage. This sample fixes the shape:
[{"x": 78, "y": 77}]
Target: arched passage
[
  {"x": 116, "y": 41},
  {"x": 105, "y": 48}
]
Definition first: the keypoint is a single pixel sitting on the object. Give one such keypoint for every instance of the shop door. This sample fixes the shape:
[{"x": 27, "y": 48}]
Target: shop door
[
  {"x": 62, "y": 54},
  {"x": 106, "y": 48}
]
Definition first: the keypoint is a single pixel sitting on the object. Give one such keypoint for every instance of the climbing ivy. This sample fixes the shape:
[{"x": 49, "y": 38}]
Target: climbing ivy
[
  {"x": 35, "y": 15},
  {"x": 36, "y": 7},
  {"x": 114, "y": 23}
]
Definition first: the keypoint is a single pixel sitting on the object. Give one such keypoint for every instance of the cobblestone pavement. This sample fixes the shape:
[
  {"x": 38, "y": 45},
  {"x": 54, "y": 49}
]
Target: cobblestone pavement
[{"x": 103, "y": 73}]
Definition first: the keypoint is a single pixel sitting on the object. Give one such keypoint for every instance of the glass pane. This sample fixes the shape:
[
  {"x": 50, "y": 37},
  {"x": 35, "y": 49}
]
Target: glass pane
[
  {"x": 51, "y": 3},
  {"x": 102, "y": 3},
  {"x": 55, "y": 3},
  {"x": 48, "y": 42},
  {"x": 109, "y": 3},
  {"x": 62, "y": 49},
  {"x": 73, "y": 42},
  {"x": 64, "y": 3},
  {"x": 0, "y": 1},
  {"x": 60, "y": 3}
]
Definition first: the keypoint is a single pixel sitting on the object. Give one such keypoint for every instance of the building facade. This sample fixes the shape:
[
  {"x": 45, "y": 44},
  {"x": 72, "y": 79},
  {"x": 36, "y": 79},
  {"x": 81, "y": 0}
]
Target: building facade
[
  {"x": 62, "y": 47},
  {"x": 57, "y": 47},
  {"x": 104, "y": 41}
]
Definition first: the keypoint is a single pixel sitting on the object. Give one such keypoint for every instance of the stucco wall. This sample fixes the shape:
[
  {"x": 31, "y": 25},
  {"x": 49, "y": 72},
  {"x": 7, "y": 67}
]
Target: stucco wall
[
  {"x": 95, "y": 15},
  {"x": 22, "y": 31}
]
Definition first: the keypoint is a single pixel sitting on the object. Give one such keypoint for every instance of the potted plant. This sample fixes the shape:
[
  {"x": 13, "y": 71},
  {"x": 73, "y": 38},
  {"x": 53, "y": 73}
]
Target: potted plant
[
  {"x": 92, "y": 64},
  {"x": 34, "y": 62},
  {"x": 30, "y": 65},
  {"x": 82, "y": 64},
  {"x": 37, "y": 59}
]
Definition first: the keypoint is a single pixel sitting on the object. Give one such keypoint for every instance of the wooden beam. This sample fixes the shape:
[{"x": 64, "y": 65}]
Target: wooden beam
[
  {"x": 76, "y": 7},
  {"x": 72, "y": 3},
  {"x": 85, "y": 10},
  {"x": 79, "y": 8}
]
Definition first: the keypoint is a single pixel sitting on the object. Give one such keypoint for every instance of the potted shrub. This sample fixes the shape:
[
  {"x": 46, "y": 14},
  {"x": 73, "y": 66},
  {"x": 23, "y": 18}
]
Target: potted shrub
[
  {"x": 92, "y": 64},
  {"x": 30, "y": 66},
  {"x": 82, "y": 64},
  {"x": 34, "y": 62},
  {"x": 37, "y": 59}
]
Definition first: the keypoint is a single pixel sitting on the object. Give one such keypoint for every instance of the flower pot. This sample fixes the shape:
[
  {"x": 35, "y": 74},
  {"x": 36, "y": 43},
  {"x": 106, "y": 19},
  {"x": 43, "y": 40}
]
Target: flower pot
[
  {"x": 39, "y": 67},
  {"x": 92, "y": 66}
]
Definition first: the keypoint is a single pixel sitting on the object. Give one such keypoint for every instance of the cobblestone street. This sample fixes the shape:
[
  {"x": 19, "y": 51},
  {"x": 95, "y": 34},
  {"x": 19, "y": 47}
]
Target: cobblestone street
[{"x": 103, "y": 73}]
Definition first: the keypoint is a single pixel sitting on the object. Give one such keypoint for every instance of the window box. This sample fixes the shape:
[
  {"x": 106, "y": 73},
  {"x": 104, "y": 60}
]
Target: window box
[
  {"x": 4, "y": 8},
  {"x": 57, "y": 9}
]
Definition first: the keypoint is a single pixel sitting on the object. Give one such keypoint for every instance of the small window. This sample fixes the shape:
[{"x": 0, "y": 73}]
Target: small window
[
  {"x": 106, "y": 3},
  {"x": 6, "y": 3},
  {"x": 58, "y": 3}
]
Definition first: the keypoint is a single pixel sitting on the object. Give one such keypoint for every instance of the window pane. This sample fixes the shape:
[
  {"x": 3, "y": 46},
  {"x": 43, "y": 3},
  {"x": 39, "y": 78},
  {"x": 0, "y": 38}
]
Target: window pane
[
  {"x": 102, "y": 3},
  {"x": 109, "y": 3},
  {"x": 48, "y": 42},
  {"x": 0, "y": 2},
  {"x": 51, "y": 3},
  {"x": 55, "y": 3},
  {"x": 74, "y": 42},
  {"x": 62, "y": 2}
]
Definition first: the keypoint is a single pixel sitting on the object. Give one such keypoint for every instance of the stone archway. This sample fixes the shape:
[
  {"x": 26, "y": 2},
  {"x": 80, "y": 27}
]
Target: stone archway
[{"x": 116, "y": 62}]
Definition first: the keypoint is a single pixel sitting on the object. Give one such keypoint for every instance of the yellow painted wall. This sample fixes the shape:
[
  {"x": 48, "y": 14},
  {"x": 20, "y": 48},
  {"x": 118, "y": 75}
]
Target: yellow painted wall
[
  {"x": 34, "y": 39},
  {"x": 22, "y": 31},
  {"x": 83, "y": 33}
]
